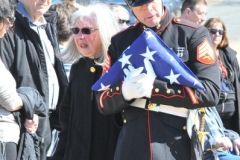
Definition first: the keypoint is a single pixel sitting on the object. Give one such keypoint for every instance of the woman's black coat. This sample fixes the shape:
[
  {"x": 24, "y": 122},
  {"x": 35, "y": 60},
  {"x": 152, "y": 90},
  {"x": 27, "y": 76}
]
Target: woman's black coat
[{"x": 86, "y": 134}]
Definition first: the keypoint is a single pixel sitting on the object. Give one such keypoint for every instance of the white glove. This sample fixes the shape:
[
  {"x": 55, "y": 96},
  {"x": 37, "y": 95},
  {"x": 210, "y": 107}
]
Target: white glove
[
  {"x": 130, "y": 87},
  {"x": 147, "y": 79},
  {"x": 151, "y": 75},
  {"x": 137, "y": 84}
]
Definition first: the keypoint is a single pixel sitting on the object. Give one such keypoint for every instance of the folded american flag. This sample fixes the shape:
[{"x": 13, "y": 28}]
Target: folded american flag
[{"x": 166, "y": 64}]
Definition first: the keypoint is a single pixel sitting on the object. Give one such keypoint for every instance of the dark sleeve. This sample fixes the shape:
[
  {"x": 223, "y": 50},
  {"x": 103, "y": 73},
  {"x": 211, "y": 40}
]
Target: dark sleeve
[
  {"x": 237, "y": 71},
  {"x": 111, "y": 101},
  {"x": 7, "y": 47},
  {"x": 64, "y": 116},
  {"x": 32, "y": 102}
]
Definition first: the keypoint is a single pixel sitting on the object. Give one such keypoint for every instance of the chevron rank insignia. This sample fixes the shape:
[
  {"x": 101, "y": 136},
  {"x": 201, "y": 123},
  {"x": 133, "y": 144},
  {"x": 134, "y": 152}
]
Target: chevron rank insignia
[{"x": 205, "y": 53}]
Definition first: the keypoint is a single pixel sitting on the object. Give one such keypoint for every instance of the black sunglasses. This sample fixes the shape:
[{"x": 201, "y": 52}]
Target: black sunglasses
[
  {"x": 83, "y": 30},
  {"x": 214, "y": 31},
  {"x": 121, "y": 21}
]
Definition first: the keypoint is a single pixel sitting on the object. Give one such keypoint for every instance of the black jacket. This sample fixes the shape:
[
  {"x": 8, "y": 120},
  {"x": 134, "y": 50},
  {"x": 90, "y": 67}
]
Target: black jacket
[
  {"x": 229, "y": 60},
  {"x": 147, "y": 134},
  {"x": 29, "y": 145},
  {"x": 86, "y": 134},
  {"x": 23, "y": 55}
]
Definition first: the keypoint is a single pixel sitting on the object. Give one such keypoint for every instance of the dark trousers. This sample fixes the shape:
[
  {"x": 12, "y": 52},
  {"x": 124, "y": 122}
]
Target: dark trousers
[{"x": 8, "y": 151}]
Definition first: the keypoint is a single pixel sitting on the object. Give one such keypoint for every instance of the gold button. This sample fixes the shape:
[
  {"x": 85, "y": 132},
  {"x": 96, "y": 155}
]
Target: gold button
[
  {"x": 110, "y": 90},
  {"x": 178, "y": 20},
  {"x": 158, "y": 26},
  {"x": 124, "y": 121},
  {"x": 92, "y": 69},
  {"x": 156, "y": 90},
  {"x": 168, "y": 91},
  {"x": 184, "y": 127},
  {"x": 179, "y": 91},
  {"x": 117, "y": 88}
]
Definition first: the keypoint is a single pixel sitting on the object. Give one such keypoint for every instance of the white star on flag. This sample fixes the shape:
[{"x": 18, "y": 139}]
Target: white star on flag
[
  {"x": 125, "y": 60},
  {"x": 149, "y": 54},
  {"x": 104, "y": 87},
  {"x": 173, "y": 77}
]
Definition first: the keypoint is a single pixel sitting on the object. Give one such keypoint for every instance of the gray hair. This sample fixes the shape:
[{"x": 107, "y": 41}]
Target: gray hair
[{"x": 106, "y": 22}]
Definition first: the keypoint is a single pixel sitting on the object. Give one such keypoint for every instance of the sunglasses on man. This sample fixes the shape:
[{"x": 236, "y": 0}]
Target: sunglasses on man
[
  {"x": 83, "y": 30},
  {"x": 214, "y": 31},
  {"x": 121, "y": 21}
]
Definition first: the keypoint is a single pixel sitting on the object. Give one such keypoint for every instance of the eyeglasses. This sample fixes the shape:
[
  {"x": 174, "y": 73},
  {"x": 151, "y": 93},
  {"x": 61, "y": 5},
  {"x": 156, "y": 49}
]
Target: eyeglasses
[
  {"x": 121, "y": 21},
  {"x": 83, "y": 30},
  {"x": 214, "y": 31}
]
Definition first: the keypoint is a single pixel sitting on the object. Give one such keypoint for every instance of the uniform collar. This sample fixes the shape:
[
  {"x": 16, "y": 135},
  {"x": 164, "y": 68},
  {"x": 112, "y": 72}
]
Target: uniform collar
[{"x": 165, "y": 21}]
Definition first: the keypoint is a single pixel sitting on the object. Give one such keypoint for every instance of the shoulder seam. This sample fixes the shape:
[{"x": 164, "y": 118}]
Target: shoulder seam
[{"x": 179, "y": 20}]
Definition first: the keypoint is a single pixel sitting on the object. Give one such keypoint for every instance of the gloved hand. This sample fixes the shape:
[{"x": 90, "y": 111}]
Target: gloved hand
[
  {"x": 131, "y": 88},
  {"x": 137, "y": 84},
  {"x": 149, "y": 78}
]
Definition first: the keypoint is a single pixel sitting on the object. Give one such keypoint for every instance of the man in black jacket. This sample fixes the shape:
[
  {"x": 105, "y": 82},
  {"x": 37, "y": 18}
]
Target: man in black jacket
[
  {"x": 154, "y": 111},
  {"x": 29, "y": 54}
]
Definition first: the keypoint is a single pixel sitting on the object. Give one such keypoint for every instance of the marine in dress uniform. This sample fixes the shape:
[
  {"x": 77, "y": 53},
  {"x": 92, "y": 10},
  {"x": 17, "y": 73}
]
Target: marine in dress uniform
[{"x": 155, "y": 128}]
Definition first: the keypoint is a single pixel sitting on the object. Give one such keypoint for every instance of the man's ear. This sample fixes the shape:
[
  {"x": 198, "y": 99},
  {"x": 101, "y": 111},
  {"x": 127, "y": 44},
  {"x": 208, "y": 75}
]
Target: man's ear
[{"x": 187, "y": 11}]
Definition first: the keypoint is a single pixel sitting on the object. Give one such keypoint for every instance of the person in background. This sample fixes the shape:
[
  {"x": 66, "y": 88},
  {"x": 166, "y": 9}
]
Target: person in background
[
  {"x": 224, "y": 143},
  {"x": 228, "y": 106},
  {"x": 63, "y": 25},
  {"x": 153, "y": 127},
  {"x": 29, "y": 54},
  {"x": 122, "y": 15},
  {"x": 86, "y": 134},
  {"x": 12, "y": 100},
  {"x": 65, "y": 11},
  {"x": 194, "y": 10}
]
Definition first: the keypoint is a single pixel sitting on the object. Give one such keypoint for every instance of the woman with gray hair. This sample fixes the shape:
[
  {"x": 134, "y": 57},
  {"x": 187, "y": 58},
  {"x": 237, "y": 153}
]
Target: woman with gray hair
[{"x": 86, "y": 133}]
